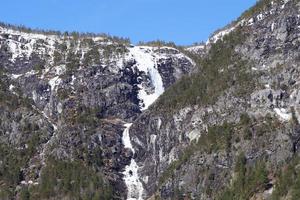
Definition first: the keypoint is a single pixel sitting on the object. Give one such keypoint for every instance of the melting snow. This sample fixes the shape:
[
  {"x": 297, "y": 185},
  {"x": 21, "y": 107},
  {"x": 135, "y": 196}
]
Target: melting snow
[
  {"x": 15, "y": 76},
  {"x": 131, "y": 177},
  {"x": 273, "y": 26},
  {"x": 283, "y": 114},
  {"x": 267, "y": 86},
  {"x": 196, "y": 49},
  {"x": 260, "y": 17},
  {"x": 220, "y": 35},
  {"x": 59, "y": 70},
  {"x": 34, "y": 96},
  {"x": 11, "y": 87},
  {"x": 30, "y": 73},
  {"x": 73, "y": 79},
  {"x": 19, "y": 49},
  {"x": 54, "y": 83},
  {"x": 251, "y": 21}
]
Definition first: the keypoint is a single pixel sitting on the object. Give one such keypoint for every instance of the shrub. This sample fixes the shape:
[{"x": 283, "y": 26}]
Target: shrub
[
  {"x": 221, "y": 69},
  {"x": 72, "y": 179},
  {"x": 248, "y": 180}
]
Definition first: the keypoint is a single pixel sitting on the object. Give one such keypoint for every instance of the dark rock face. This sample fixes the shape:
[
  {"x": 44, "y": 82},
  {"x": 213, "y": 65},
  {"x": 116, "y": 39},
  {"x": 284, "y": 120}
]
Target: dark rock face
[
  {"x": 173, "y": 167},
  {"x": 67, "y": 98},
  {"x": 80, "y": 92}
]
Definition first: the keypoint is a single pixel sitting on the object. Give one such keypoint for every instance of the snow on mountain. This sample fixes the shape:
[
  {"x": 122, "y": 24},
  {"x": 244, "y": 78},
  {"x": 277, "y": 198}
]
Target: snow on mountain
[
  {"x": 146, "y": 61},
  {"x": 131, "y": 177}
]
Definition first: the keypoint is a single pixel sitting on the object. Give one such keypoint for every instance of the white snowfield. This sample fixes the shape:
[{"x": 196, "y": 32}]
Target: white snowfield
[{"x": 131, "y": 177}]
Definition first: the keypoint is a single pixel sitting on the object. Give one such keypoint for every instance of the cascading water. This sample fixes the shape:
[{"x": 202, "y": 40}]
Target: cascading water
[{"x": 131, "y": 177}]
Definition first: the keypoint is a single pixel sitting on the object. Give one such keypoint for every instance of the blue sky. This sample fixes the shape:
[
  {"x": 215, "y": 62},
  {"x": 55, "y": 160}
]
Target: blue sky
[{"x": 181, "y": 21}]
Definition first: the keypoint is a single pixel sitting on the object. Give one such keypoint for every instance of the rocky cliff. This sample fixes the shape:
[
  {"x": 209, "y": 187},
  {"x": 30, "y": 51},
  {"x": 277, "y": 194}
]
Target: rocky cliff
[
  {"x": 94, "y": 117},
  {"x": 65, "y": 100},
  {"x": 230, "y": 130}
]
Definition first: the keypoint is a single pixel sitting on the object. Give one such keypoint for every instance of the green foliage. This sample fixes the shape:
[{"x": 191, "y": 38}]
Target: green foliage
[
  {"x": 39, "y": 68},
  {"x": 95, "y": 157},
  {"x": 10, "y": 169},
  {"x": 12, "y": 162},
  {"x": 169, "y": 172},
  {"x": 10, "y": 100},
  {"x": 217, "y": 138},
  {"x": 87, "y": 116},
  {"x": 74, "y": 35},
  {"x": 71, "y": 179},
  {"x": 72, "y": 61},
  {"x": 220, "y": 138},
  {"x": 158, "y": 43},
  {"x": 288, "y": 181},
  {"x": 92, "y": 57},
  {"x": 221, "y": 69},
  {"x": 259, "y": 7},
  {"x": 110, "y": 50},
  {"x": 247, "y": 182},
  {"x": 25, "y": 194},
  {"x": 57, "y": 58},
  {"x": 245, "y": 119},
  {"x": 63, "y": 93},
  {"x": 6, "y": 193}
]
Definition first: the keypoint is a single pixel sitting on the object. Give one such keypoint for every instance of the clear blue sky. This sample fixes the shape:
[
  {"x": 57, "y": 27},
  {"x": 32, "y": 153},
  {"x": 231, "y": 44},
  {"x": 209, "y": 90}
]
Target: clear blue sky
[{"x": 181, "y": 21}]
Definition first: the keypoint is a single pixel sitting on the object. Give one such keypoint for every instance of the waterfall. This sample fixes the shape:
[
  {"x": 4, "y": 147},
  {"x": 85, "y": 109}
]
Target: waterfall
[{"x": 131, "y": 176}]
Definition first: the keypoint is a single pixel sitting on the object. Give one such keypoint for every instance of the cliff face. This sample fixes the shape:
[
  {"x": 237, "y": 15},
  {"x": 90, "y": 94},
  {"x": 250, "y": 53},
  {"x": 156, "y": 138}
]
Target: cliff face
[
  {"x": 66, "y": 99},
  {"x": 94, "y": 117},
  {"x": 243, "y": 101}
]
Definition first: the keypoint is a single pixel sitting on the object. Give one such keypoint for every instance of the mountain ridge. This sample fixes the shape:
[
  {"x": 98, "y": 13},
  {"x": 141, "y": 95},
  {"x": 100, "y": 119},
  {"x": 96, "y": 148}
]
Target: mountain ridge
[{"x": 204, "y": 120}]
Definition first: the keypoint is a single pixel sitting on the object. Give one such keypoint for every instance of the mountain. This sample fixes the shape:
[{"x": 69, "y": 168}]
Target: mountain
[
  {"x": 230, "y": 130},
  {"x": 87, "y": 116},
  {"x": 64, "y": 102}
]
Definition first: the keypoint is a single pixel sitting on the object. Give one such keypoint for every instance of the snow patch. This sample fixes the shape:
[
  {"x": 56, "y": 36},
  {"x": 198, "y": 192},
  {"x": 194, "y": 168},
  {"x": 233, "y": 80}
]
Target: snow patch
[
  {"x": 11, "y": 87},
  {"x": 267, "y": 86},
  {"x": 260, "y": 17},
  {"x": 16, "y": 76},
  {"x": 59, "y": 108},
  {"x": 73, "y": 80},
  {"x": 194, "y": 135},
  {"x": 34, "y": 96},
  {"x": 54, "y": 83},
  {"x": 30, "y": 73},
  {"x": 196, "y": 49},
  {"x": 220, "y": 35},
  {"x": 59, "y": 70},
  {"x": 283, "y": 114},
  {"x": 273, "y": 26},
  {"x": 26, "y": 43}
]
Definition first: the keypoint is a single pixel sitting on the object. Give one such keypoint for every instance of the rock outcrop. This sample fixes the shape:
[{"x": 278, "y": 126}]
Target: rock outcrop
[{"x": 94, "y": 117}]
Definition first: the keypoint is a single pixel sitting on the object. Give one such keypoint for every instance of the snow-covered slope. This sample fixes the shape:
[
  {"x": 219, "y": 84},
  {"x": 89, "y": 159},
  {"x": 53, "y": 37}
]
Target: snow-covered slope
[{"x": 67, "y": 78}]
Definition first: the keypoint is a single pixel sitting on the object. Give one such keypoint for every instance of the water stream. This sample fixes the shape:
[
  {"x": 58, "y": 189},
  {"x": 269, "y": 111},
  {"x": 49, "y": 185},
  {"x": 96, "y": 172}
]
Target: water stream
[{"x": 131, "y": 176}]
